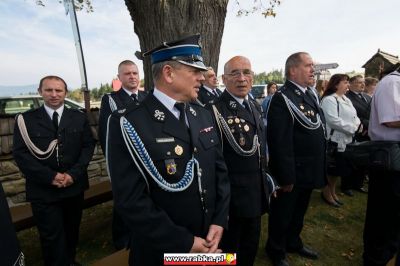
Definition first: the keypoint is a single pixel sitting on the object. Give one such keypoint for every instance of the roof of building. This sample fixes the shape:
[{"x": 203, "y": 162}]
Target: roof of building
[{"x": 393, "y": 59}]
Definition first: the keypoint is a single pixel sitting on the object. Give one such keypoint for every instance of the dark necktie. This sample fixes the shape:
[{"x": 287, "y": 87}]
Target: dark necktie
[
  {"x": 312, "y": 96},
  {"x": 55, "y": 120},
  {"x": 215, "y": 92},
  {"x": 247, "y": 105},
  {"x": 134, "y": 97},
  {"x": 362, "y": 97},
  {"x": 181, "y": 108}
]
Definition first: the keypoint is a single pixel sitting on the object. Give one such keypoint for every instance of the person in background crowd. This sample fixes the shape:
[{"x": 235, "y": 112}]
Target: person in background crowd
[
  {"x": 53, "y": 146},
  {"x": 128, "y": 94},
  {"x": 341, "y": 124},
  {"x": 296, "y": 143},
  {"x": 169, "y": 178},
  {"x": 370, "y": 85},
  {"x": 321, "y": 86},
  {"x": 363, "y": 108},
  {"x": 271, "y": 89},
  {"x": 209, "y": 91},
  {"x": 382, "y": 222},
  {"x": 244, "y": 153}
]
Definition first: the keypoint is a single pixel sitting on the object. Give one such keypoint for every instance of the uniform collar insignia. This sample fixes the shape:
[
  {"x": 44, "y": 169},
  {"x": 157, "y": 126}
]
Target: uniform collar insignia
[
  {"x": 297, "y": 92},
  {"x": 233, "y": 104},
  {"x": 160, "y": 116},
  {"x": 192, "y": 111}
]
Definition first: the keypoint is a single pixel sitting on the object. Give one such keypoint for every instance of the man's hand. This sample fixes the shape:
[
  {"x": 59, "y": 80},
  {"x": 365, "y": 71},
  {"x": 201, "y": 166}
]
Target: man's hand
[
  {"x": 68, "y": 180},
  {"x": 287, "y": 188},
  {"x": 213, "y": 238},
  {"x": 199, "y": 245},
  {"x": 58, "y": 180}
]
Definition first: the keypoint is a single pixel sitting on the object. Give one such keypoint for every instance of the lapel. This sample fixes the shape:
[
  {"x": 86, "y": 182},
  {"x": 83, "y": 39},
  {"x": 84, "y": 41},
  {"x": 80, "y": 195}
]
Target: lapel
[
  {"x": 160, "y": 114},
  {"x": 123, "y": 98},
  {"x": 298, "y": 97},
  {"x": 44, "y": 119},
  {"x": 256, "y": 113},
  {"x": 236, "y": 108},
  {"x": 141, "y": 96},
  {"x": 194, "y": 125},
  {"x": 354, "y": 97},
  {"x": 66, "y": 119}
]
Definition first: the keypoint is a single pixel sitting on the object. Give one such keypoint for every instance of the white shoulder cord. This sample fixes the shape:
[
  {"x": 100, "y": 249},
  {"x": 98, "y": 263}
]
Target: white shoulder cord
[
  {"x": 35, "y": 151},
  {"x": 113, "y": 104},
  {"x": 231, "y": 139}
]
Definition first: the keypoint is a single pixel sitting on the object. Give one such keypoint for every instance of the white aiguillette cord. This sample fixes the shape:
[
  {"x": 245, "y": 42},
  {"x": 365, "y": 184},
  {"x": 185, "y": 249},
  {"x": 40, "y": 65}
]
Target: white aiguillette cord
[{"x": 35, "y": 151}]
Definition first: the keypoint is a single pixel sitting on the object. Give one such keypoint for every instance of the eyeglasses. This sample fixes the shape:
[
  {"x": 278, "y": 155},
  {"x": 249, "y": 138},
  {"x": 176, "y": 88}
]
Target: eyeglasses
[{"x": 237, "y": 73}]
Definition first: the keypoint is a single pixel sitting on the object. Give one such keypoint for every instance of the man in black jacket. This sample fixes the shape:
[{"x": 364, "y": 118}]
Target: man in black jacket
[
  {"x": 363, "y": 108},
  {"x": 239, "y": 117},
  {"x": 53, "y": 146},
  {"x": 209, "y": 91},
  {"x": 128, "y": 94},
  {"x": 168, "y": 175},
  {"x": 296, "y": 144}
]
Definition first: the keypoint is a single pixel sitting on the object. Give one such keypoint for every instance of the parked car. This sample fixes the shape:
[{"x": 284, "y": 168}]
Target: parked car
[
  {"x": 17, "y": 104},
  {"x": 257, "y": 91}
]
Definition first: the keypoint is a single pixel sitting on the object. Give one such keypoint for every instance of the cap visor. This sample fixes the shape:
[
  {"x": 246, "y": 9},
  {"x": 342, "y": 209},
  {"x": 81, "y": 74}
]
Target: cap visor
[{"x": 198, "y": 64}]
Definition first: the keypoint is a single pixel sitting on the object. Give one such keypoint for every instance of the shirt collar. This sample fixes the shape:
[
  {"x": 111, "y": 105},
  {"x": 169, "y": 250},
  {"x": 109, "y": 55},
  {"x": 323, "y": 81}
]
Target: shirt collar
[
  {"x": 50, "y": 111},
  {"x": 239, "y": 100},
  {"x": 167, "y": 101},
  {"x": 209, "y": 89},
  {"x": 303, "y": 89},
  {"x": 130, "y": 92}
]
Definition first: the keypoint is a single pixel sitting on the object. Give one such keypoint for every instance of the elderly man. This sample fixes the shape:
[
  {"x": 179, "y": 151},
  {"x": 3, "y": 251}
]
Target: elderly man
[
  {"x": 53, "y": 146},
  {"x": 209, "y": 91},
  {"x": 169, "y": 178},
  {"x": 296, "y": 144},
  {"x": 382, "y": 222},
  {"x": 239, "y": 118}
]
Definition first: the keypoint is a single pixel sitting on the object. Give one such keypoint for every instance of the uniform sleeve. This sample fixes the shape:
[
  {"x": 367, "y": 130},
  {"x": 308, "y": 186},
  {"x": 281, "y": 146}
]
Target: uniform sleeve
[
  {"x": 280, "y": 141},
  {"x": 223, "y": 190},
  {"x": 31, "y": 167},
  {"x": 87, "y": 149},
  {"x": 105, "y": 112},
  {"x": 388, "y": 107},
  {"x": 333, "y": 119},
  {"x": 147, "y": 222}
]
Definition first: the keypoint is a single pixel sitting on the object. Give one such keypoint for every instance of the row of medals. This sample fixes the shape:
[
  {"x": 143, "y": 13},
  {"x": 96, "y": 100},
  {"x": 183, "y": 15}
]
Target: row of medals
[
  {"x": 307, "y": 113},
  {"x": 246, "y": 128}
]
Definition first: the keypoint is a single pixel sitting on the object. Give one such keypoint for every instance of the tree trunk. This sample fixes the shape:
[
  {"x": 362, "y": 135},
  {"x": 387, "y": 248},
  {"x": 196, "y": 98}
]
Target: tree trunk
[{"x": 156, "y": 21}]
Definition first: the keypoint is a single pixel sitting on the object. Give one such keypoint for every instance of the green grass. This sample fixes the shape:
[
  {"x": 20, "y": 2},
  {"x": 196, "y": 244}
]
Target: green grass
[{"x": 336, "y": 233}]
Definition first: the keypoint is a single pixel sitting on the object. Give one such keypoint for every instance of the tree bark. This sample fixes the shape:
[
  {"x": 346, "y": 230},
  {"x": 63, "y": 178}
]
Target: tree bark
[{"x": 156, "y": 21}]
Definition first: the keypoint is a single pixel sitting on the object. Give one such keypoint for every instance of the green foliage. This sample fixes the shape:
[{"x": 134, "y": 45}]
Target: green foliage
[
  {"x": 95, "y": 93},
  {"x": 79, "y": 4},
  {"x": 273, "y": 76}
]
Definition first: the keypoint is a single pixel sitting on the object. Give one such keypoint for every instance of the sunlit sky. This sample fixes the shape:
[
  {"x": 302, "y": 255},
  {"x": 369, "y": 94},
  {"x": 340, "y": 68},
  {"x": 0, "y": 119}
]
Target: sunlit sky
[{"x": 37, "y": 41}]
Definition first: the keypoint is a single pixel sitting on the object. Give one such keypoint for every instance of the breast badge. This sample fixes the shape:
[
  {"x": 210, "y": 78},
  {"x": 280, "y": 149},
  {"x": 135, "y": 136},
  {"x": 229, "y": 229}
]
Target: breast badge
[
  {"x": 171, "y": 166},
  {"x": 178, "y": 150},
  {"x": 246, "y": 128}
]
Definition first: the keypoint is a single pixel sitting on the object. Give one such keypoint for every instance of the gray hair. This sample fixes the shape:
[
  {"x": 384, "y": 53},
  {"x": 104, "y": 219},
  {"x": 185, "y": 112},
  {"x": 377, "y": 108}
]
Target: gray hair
[
  {"x": 293, "y": 61},
  {"x": 156, "y": 69}
]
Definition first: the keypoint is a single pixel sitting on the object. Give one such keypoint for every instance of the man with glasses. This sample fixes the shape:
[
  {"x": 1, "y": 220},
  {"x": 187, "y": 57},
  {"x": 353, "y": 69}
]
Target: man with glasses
[
  {"x": 241, "y": 126},
  {"x": 168, "y": 175},
  {"x": 209, "y": 91},
  {"x": 296, "y": 145}
]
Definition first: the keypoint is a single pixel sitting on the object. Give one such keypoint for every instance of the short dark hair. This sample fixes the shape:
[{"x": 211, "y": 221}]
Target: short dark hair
[
  {"x": 293, "y": 61},
  {"x": 124, "y": 63},
  {"x": 370, "y": 81},
  {"x": 52, "y": 77},
  {"x": 354, "y": 78},
  {"x": 331, "y": 87}
]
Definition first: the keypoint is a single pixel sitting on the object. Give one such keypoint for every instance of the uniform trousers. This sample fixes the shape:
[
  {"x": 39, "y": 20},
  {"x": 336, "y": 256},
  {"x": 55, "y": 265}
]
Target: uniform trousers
[
  {"x": 242, "y": 238},
  {"x": 382, "y": 221},
  {"x": 58, "y": 225},
  {"x": 286, "y": 219}
]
